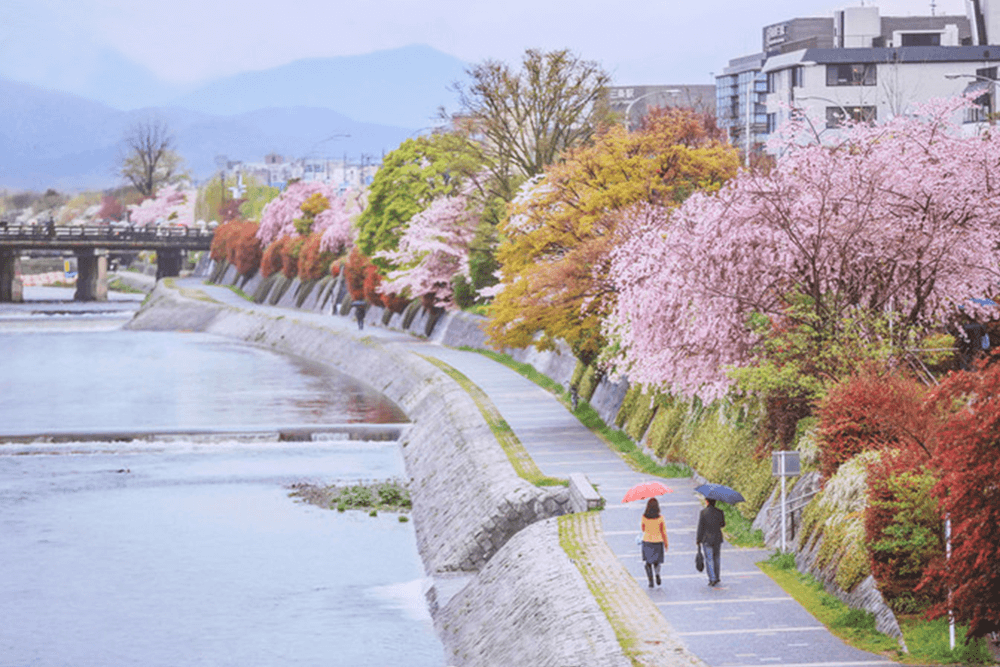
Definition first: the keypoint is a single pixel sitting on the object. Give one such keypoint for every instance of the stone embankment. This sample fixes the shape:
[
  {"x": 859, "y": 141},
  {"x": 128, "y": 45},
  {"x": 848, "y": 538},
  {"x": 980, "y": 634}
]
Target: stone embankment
[{"x": 472, "y": 514}]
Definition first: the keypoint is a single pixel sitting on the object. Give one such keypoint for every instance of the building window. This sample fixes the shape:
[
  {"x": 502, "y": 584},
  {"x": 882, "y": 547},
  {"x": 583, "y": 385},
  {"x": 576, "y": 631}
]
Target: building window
[
  {"x": 850, "y": 75},
  {"x": 772, "y": 122},
  {"x": 772, "y": 82},
  {"x": 921, "y": 39},
  {"x": 835, "y": 115},
  {"x": 797, "y": 74}
]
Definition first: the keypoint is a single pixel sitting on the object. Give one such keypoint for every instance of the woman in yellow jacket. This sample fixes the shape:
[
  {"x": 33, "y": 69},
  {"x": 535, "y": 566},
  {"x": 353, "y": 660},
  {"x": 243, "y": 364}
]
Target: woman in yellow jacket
[{"x": 654, "y": 540}]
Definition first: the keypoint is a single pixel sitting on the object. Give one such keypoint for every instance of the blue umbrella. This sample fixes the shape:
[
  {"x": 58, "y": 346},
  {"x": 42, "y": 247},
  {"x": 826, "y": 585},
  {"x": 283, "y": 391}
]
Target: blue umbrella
[{"x": 720, "y": 492}]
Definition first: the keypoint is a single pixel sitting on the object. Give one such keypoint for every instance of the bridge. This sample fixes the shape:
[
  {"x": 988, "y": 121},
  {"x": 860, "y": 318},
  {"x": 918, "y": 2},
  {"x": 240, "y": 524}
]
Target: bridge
[{"x": 91, "y": 245}]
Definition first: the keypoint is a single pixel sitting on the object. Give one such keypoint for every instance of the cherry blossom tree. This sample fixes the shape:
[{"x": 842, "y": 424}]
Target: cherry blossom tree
[
  {"x": 900, "y": 218},
  {"x": 171, "y": 204},
  {"x": 335, "y": 225},
  {"x": 433, "y": 250},
  {"x": 279, "y": 216}
]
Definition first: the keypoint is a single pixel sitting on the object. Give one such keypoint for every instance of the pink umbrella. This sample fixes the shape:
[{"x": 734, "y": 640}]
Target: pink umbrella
[{"x": 645, "y": 490}]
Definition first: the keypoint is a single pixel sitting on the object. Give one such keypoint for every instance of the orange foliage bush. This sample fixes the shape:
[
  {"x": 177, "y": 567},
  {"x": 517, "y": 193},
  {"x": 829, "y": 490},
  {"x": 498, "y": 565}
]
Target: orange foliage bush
[
  {"x": 313, "y": 263},
  {"x": 290, "y": 252},
  {"x": 354, "y": 272},
  {"x": 270, "y": 261},
  {"x": 397, "y": 303},
  {"x": 244, "y": 250},
  {"x": 222, "y": 240},
  {"x": 371, "y": 284}
]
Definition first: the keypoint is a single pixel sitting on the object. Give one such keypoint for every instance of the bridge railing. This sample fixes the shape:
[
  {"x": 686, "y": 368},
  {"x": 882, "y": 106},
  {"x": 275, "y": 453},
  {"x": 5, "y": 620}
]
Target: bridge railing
[{"x": 101, "y": 232}]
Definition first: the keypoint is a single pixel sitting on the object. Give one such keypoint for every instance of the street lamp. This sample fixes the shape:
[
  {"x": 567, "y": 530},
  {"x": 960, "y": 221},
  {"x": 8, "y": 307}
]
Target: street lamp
[
  {"x": 990, "y": 90},
  {"x": 628, "y": 109}
]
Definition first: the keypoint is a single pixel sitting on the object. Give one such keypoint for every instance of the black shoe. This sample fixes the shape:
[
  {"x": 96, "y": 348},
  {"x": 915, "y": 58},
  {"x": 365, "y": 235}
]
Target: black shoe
[
  {"x": 650, "y": 583},
  {"x": 658, "y": 582}
]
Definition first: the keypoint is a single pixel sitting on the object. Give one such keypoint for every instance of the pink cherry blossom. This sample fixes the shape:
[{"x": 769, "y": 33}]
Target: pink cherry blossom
[
  {"x": 902, "y": 217},
  {"x": 170, "y": 205},
  {"x": 432, "y": 251}
]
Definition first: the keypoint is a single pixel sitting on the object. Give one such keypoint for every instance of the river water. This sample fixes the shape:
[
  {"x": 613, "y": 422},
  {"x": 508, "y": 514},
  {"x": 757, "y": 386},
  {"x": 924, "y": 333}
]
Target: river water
[{"x": 188, "y": 550}]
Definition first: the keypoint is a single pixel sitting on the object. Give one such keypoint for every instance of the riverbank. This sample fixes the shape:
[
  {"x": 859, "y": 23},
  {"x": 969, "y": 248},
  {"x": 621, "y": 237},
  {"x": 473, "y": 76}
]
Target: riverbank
[{"x": 470, "y": 509}]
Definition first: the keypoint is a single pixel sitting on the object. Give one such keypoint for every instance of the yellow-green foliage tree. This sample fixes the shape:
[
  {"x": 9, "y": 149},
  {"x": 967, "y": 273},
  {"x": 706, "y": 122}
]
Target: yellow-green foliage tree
[{"x": 557, "y": 240}]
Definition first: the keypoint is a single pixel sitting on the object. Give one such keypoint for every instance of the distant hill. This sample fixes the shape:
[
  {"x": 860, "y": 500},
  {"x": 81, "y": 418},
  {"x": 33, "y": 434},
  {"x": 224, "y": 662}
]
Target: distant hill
[
  {"x": 402, "y": 87},
  {"x": 68, "y": 142}
]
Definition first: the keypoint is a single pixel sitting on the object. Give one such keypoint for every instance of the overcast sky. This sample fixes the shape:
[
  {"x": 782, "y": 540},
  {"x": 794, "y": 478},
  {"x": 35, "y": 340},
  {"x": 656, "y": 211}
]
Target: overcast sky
[{"x": 51, "y": 42}]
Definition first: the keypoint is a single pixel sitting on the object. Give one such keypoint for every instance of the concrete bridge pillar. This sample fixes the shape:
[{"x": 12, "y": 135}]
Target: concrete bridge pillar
[
  {"x": 169, "y": 262},
  {"x": 11, "y": 288},
  {"x": 91, "y": 275}
]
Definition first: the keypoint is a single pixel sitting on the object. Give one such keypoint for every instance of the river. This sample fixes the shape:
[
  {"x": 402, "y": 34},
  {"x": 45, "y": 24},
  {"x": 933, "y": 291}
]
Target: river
[{"x": 188, "y": 550}]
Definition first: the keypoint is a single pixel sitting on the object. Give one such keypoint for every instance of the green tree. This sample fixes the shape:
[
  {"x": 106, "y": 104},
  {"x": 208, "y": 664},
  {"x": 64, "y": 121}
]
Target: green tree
[{"x": 410, "y": 178}]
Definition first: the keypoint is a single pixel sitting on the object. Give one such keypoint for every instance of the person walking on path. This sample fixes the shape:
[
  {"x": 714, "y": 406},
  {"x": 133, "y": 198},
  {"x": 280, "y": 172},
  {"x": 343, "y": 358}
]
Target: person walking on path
[
  {"x": 359, "y": 313},
  {"x": 710, "y": 524},
  {"x": 654, "y": 540}
]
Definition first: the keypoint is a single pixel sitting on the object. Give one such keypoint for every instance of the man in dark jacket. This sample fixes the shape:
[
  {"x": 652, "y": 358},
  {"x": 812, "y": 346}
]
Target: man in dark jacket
[{"x": 710, "y": 524}]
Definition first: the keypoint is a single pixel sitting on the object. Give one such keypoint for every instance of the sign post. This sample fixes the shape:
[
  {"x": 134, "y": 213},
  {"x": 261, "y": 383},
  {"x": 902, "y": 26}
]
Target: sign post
[{"x": 783, "y": 465}]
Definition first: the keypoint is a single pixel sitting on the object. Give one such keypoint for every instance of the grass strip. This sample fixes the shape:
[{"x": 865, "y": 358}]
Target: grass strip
[
  {"x": 238, "y": 292},
  {"x": 926, "y": 640},
  {"x": 524, "y": 465},
  {"x": 643, "y": 634},
  {"x": 854, "y": 626},
  {"x": 119, "y": 285},
  {"x": 578, "y": 549},
  {"x": 615, "y": 439}
]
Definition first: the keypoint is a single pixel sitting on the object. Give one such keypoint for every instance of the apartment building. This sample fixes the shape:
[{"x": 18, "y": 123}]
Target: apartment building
[{"x": 858, "y": 64}]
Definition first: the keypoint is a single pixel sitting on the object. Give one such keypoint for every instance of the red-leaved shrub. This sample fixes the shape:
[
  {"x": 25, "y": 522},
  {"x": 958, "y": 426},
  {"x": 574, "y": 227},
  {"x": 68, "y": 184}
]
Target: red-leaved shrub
[
  {"x": 290, "y": 256},
  {"x": 270, "y": 261},
  {"x": 373, "y": 279},
  {"x": 870, "y": 411},
  {"x": 222, "y": 241},
  {"x": 967, "y": 462},
  {"x": 354, "y": 272},
  {"x": 313, "y": 262},
  {"x": 245, "y": 251}
]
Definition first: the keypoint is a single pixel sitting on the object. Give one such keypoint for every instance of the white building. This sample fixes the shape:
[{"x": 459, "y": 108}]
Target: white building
[
  {"x": 858, "y": 64},
  {"x": 276, "y": 171}
]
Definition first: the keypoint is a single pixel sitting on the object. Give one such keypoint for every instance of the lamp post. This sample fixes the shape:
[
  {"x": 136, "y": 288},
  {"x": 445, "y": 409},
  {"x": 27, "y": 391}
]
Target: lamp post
[
  {"x": 312, "y": 149},
  {"x": 991, "y": 90},
  {"x": 628, "y": 109}
]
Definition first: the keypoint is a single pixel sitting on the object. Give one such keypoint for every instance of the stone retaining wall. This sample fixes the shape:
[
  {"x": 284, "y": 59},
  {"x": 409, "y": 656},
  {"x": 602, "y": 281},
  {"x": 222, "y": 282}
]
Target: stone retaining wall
[
  {"x": 471, "y": 511},
  {"x": 528, "y": 606}
]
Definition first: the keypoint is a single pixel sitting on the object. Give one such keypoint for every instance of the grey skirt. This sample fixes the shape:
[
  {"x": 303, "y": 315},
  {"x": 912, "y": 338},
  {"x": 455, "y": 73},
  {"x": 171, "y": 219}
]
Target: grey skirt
[{"x": 652, "y": 552}]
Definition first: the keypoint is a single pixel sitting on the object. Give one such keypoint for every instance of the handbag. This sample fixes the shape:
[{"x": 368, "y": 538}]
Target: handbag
[{"x": 699, "y": 560}]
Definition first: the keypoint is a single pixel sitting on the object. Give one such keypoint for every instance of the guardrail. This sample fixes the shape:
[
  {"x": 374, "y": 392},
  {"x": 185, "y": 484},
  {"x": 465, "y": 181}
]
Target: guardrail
[{"x": 131, "y": 236}]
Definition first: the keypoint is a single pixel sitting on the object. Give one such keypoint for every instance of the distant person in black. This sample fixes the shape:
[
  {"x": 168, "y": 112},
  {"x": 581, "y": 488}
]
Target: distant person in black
[
  {"x": 359, "y": 313},
  {"x": 710, "y": 524}
]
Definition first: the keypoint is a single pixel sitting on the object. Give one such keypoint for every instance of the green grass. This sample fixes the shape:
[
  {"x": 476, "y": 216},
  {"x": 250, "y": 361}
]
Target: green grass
[
  {"x": 238, "y": 292},
  {"x": 518, "y": 456},
  {"x": 118, "y": 285},
  {"x": 929, "y": 644},
  {"x": 855, "y": 627},
  {"x": 615, "y": 439},
  {"x": 926, "y": 640},
  {"x": 739, "y": 529}
]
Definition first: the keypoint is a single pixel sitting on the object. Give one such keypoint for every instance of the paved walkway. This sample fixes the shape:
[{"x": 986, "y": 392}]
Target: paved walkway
[{"x": 748, "y": 620}]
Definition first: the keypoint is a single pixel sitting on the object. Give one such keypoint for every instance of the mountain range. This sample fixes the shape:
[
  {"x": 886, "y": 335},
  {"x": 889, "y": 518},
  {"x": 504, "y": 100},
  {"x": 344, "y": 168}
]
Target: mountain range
[{"x": 322, "y": 107}]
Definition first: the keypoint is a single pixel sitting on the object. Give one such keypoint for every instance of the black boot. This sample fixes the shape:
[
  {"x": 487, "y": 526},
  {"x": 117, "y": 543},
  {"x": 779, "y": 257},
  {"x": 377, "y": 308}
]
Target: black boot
[{"x": 649, "y": 574}]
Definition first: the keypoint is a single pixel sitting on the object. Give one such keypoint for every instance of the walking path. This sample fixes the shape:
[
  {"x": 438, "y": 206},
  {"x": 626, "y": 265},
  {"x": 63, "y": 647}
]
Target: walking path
[{"x": 748, "y": 620}]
